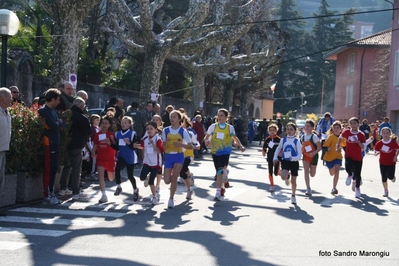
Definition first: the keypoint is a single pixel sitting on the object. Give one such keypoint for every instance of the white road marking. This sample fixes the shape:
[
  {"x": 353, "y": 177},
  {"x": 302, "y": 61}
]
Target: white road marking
[
  {"x": 69, "y": 212},
  {"x": 9, "y": 245},
  {"x": 32, "y": 232},
  {"x": 53, "y": 221}
]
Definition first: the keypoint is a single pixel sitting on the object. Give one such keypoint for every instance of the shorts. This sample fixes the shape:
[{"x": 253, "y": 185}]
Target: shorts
[
  {"x": 312, "y": 161},
  {"x": 108, "y": 165},
  {"x": 291, "y": 166},
  {"x": 172, "y": 159},
  {"x": 331, "y": 164},
  {"x": 220, "y": 161},
  {"x": 387, "y": 172}
]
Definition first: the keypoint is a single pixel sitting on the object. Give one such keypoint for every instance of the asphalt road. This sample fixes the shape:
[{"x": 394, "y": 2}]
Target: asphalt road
[{"x": 251, "y": 226}]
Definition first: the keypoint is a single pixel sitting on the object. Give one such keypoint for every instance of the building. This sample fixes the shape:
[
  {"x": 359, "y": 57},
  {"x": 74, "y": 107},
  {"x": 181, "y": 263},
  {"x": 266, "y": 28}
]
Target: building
[{"x": 355, "y": 62}]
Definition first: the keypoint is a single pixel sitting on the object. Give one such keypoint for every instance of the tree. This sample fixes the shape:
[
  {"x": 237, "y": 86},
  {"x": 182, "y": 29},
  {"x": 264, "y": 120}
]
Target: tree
[
  {"x": 291, "y": 77},
  {"x": 67, "y": 16},
  {"x": 149, "y": 29}
]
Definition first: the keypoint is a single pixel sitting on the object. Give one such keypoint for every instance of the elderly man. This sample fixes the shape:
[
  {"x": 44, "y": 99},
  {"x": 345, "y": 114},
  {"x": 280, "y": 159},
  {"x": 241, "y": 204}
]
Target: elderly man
[
  {"x": 66, "y": 98},
  {"x": 156, "y": 109},
  {"x": 5, "y": 133},
  {"x": 119, "y": 111},
  {"x": 83, "y": 94},
  {"x": 79, "y": 133}
]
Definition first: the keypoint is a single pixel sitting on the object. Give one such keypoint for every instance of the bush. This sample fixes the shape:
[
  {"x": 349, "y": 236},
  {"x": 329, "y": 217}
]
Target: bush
[{"x": 26, "y": 152}]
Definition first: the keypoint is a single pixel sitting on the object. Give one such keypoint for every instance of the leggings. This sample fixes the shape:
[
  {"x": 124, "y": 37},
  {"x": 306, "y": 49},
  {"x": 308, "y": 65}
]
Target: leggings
[
  {"x": 145, "y": 170},
  {"x": 271, "y": 166},
  {"x": 120, "y": 165},
  {"x": 355, "y": 168}
]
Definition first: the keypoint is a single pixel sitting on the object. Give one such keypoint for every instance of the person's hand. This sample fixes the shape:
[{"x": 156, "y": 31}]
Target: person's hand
[
  {"x": 127, "y": 141},
  {"x": 107, "y": 140},
  {"x": 275, "y": 161},
  {"x": 93, "y": 155},
  {"x": 242, "y": 148},
  {"x": 263, "y": 153}
]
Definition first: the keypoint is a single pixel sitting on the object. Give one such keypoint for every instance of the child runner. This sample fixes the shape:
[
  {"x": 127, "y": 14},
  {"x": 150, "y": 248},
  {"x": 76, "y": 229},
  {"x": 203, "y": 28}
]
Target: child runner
[
  {"x": 105, "y": 146},
  {"x": 332, "y": 157},
  {"x": 127, "y": 141},
  {"x": 94, "y": 122},
  {"x": 173, "y": 137},
  {"x": 355, "y": 140},
  {"x": 269, "y": 147},
  {"x": 310, "y": 149},
  {"x": 388, "y": 150},
  {"x": 152, "y": 145},
  {"x": 185, "y": 173},
  {"x": 291, "y": 148},
  {"x": 221, "y": 135},
  {"x": 157, "y": 119}
]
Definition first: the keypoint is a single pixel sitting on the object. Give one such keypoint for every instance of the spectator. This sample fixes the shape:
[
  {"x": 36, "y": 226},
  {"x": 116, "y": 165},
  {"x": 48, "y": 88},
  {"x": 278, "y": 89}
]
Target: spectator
[
  {"x": 324, "y": 125},
  {"x": 83, "y": 94},
  {"x": 119, "y": 111},
  {"x": 384, "y": 124},
  {"x": 51, "y": 141},
  {"x": 136, "y": 115},
  {"x": 66, "y": 98},
  {"x": 200, "y": 130},
  {"x": 239, "y": 128},
  {"x": 147, "y": 114},
  {"x": 263, "y": 130},
  {"x": 251, "y": 130},
  {"x": 16, "y": 95},
  {"x": 280, "y": 127},
  {"x": 111, "y": 103},
  {"x": 5, "y": 133},
  {"x": 156, "y": 109},
  {"x": 165, "y": 116},
  {"x": 79, "y": 133}
]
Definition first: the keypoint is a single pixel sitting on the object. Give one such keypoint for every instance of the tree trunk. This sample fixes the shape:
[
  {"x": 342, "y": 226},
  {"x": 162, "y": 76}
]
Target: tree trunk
[
  {"x": 198, "y": 90},
  {"x": 155, "y": 56}
]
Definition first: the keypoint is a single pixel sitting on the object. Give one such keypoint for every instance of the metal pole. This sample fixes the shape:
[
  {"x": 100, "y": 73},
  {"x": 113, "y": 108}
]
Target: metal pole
[
  {"x": 3, "y": 60},
  {"x": 302, "y": 107},
  {"x": 322, "y": 97}
]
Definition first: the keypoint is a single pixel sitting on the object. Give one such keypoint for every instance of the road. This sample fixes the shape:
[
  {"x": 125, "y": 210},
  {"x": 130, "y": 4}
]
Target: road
[{"x": 251, "y": 226}]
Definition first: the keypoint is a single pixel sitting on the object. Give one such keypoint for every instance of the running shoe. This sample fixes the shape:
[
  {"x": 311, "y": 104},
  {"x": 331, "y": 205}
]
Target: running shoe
[
  {"x": 103, "y": 199},
  {"x": 353, "y": 185},
  {"x": 190, "y": 194},
  {"x": 191, "y": 179},
  {"x": 218, "y": 197},
  {"x": 385, "y": 193},
  {"x": 287, "y": 182},
  {"x": 81, "y": 197},
  {"x": 171, "y": 204},
  {"x": 334, "y": 191},
  {"x": 118, "y": 191},
  {"x": 65, "y": 192},
  {"x": 225, "y": 176},
  {"x": 308, "y": 192},
  {"x": 357, "y": 193},
  {"x": 393, "y": 179},
  {"x": 271, "y": 188},
  {"x": 348, "y": 180},
  {"x": 293, "y": 199},
  {"x": 154, "y": 200},
  {"x": 146, "y": 181},
  {"x": 136, "y": 195}
]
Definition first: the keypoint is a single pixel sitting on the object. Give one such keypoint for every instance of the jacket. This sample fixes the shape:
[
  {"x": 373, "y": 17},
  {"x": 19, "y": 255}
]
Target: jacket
[{"x": 80, "y": 129}]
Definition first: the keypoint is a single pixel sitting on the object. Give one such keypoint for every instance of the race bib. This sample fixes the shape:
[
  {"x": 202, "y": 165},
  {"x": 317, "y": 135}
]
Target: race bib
[
  {"x": 271, "y": 144},
  {"x": 287, "y": 154},
  {"x": 150, "y": 150},
  {"x": 102, "y": 137},
  {"x": 385, "y": 148},
  {"x": 353, "y": 138},
  {"x": 308, "y": 148},
  {"x": 122, "y": 142},
  {"x": 220, "y": 135}
]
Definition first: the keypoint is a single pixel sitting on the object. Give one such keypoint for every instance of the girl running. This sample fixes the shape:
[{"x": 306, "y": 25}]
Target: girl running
[
  {"x": 105, "y": 146},
  {"x": 185, "y": 173},
  {"x": 173, "y": 137},
  {"x": 152, "y": 163},
  {"x": 388, "y": 150},
  {"x": 355, "y": 141},
  {"x": 127, "y": 141},
  {"x": 269, "y": 147},
  {"x": 310, "y": 149},
  {"x": 290, "y": 148},
  {"x": 157, "y": 119},
  {"x": 221, "y": 135},
  {"x": 332, "y": 157}
]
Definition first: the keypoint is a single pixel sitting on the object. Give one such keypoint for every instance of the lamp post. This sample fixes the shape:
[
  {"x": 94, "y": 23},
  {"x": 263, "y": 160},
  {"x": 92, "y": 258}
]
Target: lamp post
[
  {"x": 9, "y": 25},
  {"x": 302, "y": 103}
]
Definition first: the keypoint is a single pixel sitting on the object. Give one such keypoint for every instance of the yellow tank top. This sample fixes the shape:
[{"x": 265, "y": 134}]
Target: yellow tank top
[
  {"x": 221, "y": 140},
  {"x": 171, "y": 138}
]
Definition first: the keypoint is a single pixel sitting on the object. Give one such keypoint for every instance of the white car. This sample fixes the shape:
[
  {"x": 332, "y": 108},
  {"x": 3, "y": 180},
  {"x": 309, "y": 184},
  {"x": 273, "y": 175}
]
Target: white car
[{"x": 300, "y": 123}]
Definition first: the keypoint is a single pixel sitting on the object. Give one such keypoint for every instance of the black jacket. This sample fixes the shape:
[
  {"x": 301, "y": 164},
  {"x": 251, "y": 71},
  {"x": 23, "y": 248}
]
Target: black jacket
[{"x": 80, "y": 129}]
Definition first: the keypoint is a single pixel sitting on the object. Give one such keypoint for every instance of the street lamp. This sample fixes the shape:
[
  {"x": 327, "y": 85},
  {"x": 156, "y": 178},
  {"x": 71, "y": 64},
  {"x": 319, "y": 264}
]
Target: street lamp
[{"x": 9, "y": 25}]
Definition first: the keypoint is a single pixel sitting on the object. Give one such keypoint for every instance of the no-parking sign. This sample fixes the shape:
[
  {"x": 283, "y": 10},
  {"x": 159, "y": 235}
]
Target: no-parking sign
[{"x": 73, "y": 79}]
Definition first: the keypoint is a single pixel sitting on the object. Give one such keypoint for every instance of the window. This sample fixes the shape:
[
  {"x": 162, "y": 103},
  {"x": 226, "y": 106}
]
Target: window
[
  {"x": 351, "y": 63},
  {"x": 349, "y": 95},
  {"x": 396, "y": 73}
]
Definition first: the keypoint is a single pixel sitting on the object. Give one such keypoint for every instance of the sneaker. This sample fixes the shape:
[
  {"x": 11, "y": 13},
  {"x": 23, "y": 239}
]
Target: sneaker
[
  {"x": 65, "y": 192},
  {"x": 191, "y": 179},
  {"x": 222, "y": 191},
  {"x": 118, "y": 191},
  {"x": 154, "y": 200},
  {"x": 171, "y": 204},
  {"x": 227, "y": 184},
  {"x": 293, "y": 199},
  {"x": 80, "y": 197},
  {"x": 353, "y": 185},
  {"x": 52, "y": 200},
  {"x": 357, "y": 194},
  {"x": 334, "y": 191},
  {"x": 287, "y": 182},
  {"x": 385, "y": 193},
  {"x": 94, "y": 177},
  {"x": 103, "y": 199},
  {"x": 308, "y": 192},
  {"x": 394, "y": 179},
  {"x": 136, "y": 195},
  {"x": 218, "y": 197},
  {"x": 147, "y": 179},
  {"x": 180, "y": 180},
  {"x": 225, "y": 176},
  {"x": 190, "y": 194},
  {"x": 157, "y": 189},
  {"x": 348, "y": 180},
  {"x": 271, "y": 189}
]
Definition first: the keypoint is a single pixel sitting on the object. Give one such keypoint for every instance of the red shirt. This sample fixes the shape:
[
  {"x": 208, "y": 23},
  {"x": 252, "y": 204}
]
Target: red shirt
[
  {"x": 353, "y": 150},
  {"x": 387, "y": 151},
  {"x": 104, "y": 151}
]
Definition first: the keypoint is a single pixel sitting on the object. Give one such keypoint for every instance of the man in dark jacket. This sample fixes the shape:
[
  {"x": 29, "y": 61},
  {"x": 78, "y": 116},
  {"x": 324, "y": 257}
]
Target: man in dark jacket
[
  {"x": 79, "y": 134},
  {"x": 66, "y": 99},
  {"x": 136, "y": 115}
]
